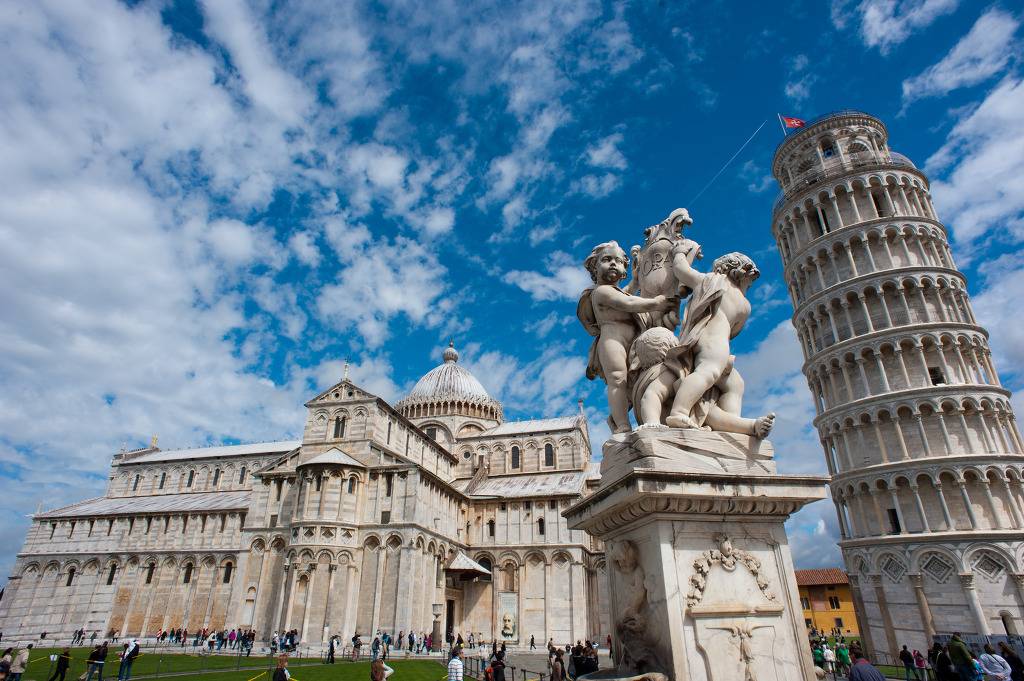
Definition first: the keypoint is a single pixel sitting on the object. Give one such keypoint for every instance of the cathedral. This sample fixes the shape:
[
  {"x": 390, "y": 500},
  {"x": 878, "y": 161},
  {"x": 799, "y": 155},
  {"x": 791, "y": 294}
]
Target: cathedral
[{"x": 382, "y": 517}]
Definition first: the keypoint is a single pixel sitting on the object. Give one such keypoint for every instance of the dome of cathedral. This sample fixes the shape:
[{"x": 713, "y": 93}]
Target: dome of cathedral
[{"x": 450, "y": 388}]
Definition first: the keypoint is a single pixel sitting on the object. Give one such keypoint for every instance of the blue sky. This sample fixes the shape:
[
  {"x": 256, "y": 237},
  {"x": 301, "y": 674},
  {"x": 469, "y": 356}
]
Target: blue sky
[{"x": 206, "y": 207}]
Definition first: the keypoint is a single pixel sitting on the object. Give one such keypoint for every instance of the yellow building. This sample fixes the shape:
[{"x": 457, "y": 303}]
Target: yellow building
[{"x": 827, "y": 602}]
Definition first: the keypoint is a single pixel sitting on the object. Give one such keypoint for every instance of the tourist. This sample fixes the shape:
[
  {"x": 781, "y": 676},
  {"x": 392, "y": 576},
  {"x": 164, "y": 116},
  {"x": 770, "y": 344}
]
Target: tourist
[
  {"x": 97, "y": 658},
  {"x": 863, "y": 670},
  {"x": 842, "y": 659},
  {"x": 5, "y": 660},
  {"x": 962, "y": 658},
  {"x": 993, "y": 666},
  {"x": 20, "y": 662},
  {"x": 375, "y": 648},
  {"x": 330, "y": 650},
  {"x": 943, "y": 665},
  {"x": 498, "y": 666},
  {"x": 533, "y": 642},
  {"x": 63, "y": 660},
  {"x": 907, "y": 658},
  {"x": 830, "y": 659},
  {"x": 1014, "y": 660},
  {"x": 920, "y": 664},
  {"x": 558, "y": 666},
  {"x": 455, "y": 665},
  {"x": 281, "y": 673},
  {"x": 128, "y": 655}
]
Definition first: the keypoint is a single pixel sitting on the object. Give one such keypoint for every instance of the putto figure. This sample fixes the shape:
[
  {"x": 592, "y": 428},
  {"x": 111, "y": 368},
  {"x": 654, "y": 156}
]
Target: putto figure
[
  {"x": 610, "y": 315},
  {"x": 646, "y": 366}
]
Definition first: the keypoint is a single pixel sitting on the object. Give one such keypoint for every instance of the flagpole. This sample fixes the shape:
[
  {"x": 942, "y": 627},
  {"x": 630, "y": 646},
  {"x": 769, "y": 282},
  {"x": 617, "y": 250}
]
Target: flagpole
[{"x": 784, "y": 133}]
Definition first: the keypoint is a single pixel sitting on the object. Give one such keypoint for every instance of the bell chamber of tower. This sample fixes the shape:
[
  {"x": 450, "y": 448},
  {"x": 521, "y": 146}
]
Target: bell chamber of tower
[{"x": 918, "y": 433}]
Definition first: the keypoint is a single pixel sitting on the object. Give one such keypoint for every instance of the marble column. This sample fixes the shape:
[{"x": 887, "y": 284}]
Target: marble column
[
  {"x": 923, "y": 608},
  {"x": 974, "y": 603}
]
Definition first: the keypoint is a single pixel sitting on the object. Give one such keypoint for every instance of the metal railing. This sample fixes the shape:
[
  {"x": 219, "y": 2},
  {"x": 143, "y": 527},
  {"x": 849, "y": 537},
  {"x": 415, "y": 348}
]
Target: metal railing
[{"x": 824, "y": 117}]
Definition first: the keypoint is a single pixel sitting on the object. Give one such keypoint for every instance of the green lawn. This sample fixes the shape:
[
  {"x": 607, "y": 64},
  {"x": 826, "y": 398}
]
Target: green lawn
[
  {"x": 150, "y": 662},
  {"x": 405, "y": 670}
]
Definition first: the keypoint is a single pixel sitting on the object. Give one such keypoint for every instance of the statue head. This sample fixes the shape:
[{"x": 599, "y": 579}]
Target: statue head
[
  {"x": 607, "y": 263},
  {"x": 652, "y": 345},
  {"x": 507, "y": 623},
  {"x": 738, "y": 267},
  {"x": 623, "y": 554}
]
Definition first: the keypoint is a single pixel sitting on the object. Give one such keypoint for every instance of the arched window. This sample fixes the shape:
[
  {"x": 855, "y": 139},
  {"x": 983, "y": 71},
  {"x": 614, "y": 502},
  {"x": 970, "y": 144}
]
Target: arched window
[
  {"x": 486, "y": 564},
  {"x": 216, "y": 477},
  {"x": 490, "y": 527},
  {"x": 111, "y": 574},
  {"x": 516, "y": 460},
  {"x": 828, "y": 149},
  {"x": 241, "y": 476},
  {"x": 227, "y": 573},
  {"x": 135, "y": 483},
  {"x": 319, "y": 482},
  {"x": 187, "y": 577},
  {"x": 339, "y": 427},
  {"x": 540, "y": 526},
  {"x": 549, "y": 455},
  {"x": 351, "y": 485},
  {"x": 191, "y": 478},
  {"x": 71, "y": 576},
  {"x": 149, "y": 573},
  {"x": 432, "y": 432}
]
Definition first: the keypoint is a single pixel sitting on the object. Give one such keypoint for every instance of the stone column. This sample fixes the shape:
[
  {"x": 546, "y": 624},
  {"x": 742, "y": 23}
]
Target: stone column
[
  {"x": 996, "y": 516},
  {"x": 862, "y": 616},
  {"x": 945, "y": 507},
  {"x": 275, "y": 624},
  {"x": 293, "y": 585},
  {"x": 974, "y": 603},
  {"x": 331, "y": 567},
  {"x": 351, "y": 581},
  {"x": 883, "y": 607},
  {"x": 922, "y": 605},
  {"x": 303, "y": 635},
  {"x": 920, "y": 507},
  {"x": 967, "y": 503}
]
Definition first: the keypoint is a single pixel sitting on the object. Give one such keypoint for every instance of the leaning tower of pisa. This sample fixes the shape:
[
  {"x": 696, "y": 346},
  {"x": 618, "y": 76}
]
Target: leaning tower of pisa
[{"x": 918, "y": 433}]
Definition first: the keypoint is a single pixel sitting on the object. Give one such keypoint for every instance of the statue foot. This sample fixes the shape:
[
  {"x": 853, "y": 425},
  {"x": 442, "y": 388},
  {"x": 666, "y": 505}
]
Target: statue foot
[
  {"x": 679, "y": 421},
  {"x": 763, "y": 425}
]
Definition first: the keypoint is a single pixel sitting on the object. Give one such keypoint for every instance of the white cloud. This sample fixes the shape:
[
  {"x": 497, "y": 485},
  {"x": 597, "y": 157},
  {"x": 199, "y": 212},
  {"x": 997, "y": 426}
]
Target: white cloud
[
  {"x": 887, "y": 23},
  {"x": 1003, "y": 281},
  {"x": 978, "y": 174},
  {"x": 565, "y": 279},
  {"x": 605, "y": 153},
  {"x": 979, "y": 55},
  {"x": 303, "y": 245},
  {"x": 799, "y": 80},
  {"x": 438, "y": 221},
  {"x": 758, "y": 181},
  {"x": 597, "y": 186},
  {"x": 546, "y": 386}
]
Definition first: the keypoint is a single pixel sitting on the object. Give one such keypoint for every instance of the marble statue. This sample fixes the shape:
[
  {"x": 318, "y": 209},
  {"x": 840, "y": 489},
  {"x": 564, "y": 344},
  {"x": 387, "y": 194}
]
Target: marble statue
[
  {"x": 610, "y": 315},
  {"x": 685, "y": 380}
]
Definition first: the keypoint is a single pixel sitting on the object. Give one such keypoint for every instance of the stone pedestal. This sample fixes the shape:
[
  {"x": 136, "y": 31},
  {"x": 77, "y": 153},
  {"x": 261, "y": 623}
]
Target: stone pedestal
[{"x": 702, "y": 584}]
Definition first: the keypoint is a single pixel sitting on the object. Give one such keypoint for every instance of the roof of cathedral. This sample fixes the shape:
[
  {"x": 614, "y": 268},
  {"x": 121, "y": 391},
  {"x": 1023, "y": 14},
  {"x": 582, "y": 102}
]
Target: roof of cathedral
[
  {"x": 217, "y": 451},
  {"x": 532, "y": 426},
  {"x": 448, "y": 382},
  {"x": 526, "y": 485},
  {"x": 160, "y": 503},
  {"x": 334, "y": 457}
]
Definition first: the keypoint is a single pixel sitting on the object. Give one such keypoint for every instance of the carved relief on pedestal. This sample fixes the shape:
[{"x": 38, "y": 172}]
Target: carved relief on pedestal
[
  {"x": 736, "y": 623},
  {"x": 638, "y": 653}
]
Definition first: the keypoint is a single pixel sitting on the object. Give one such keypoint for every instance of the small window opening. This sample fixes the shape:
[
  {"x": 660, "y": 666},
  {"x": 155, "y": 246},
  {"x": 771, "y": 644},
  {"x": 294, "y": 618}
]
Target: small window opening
[
  {"x": 135, "y": 483},
  {"x": 490, "y": 527},
  {"x": 149, "y": 573},
  {"x": 894, "y": 521},
  {"x": 187, "y": 577},
  {"x": 540, "y": 526},
  {"x": 351, "y": 485},
  {"x": 385, "y": 517},
  {"x": 516, "y": 460},
  {"x": 432, "y": 433},
  {"x": 112, "y": 574},
  {"x": 191, "y": 478},
  {"x": 71, "y": 576},
  {"x": 339, "y": 427},
  {"x": 389, "y": 483},
  {"x": 241, "y": 476},
  {"x": 227, "y": 573},
  {"x": 937, "y": 376},
  {"x": 549, "y": 455},
  {"x": 216, "y": 477},
  {"x": 163, "y": 479}
]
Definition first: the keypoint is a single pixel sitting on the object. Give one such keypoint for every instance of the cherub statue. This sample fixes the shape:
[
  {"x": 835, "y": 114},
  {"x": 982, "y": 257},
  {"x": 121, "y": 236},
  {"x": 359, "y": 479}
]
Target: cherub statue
[
  {"x": 715, "y": 314},
  {"x": 608, "y": 313},
  {"x": 658, "y": 364}
]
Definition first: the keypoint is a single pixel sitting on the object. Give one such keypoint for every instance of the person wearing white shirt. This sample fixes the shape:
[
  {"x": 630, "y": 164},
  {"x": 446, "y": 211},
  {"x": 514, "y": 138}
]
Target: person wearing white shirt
[{"x": 993, "y": 666}]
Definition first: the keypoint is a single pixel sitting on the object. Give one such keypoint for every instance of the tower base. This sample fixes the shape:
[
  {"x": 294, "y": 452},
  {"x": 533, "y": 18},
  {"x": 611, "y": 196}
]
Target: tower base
[{"x": 701, "y": 578}]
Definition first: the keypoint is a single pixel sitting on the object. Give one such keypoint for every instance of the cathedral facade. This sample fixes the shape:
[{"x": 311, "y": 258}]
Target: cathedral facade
[{"x": 381, "y": 518}]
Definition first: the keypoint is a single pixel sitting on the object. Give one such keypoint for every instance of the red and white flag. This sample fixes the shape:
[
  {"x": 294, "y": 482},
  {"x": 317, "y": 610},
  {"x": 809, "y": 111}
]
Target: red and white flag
[{"x": 791, "y": 122}]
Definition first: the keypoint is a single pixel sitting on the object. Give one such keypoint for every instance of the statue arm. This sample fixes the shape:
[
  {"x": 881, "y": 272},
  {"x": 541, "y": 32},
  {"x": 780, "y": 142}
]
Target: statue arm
[
  {"x": 627, "y": 303},
  {"x": 682, "y": 255}
]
